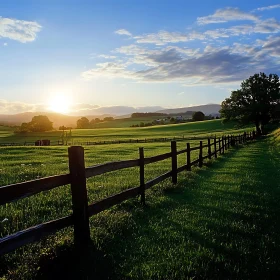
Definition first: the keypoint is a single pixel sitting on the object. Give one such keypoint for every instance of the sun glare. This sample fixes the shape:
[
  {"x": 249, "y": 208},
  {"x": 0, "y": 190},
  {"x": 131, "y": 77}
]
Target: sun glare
[{"x": 60, "y": 103}]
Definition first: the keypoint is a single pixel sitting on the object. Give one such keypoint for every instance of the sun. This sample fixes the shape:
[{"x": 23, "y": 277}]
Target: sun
[{"x": 59, "y": 103}]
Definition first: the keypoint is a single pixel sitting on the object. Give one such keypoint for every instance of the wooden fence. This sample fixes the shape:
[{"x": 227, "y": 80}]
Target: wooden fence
[{"x": 77, "y": 179}]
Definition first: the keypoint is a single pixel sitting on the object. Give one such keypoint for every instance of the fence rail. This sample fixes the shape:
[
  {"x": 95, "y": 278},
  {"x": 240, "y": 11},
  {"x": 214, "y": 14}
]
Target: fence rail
[{"x": 77, "y": 179}]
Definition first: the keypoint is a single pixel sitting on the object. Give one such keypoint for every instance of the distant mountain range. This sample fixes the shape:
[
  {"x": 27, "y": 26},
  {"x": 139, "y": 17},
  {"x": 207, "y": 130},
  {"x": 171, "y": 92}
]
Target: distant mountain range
[
  {"x": 209, "y": 109},
  {"x": 60, "y": 119}
]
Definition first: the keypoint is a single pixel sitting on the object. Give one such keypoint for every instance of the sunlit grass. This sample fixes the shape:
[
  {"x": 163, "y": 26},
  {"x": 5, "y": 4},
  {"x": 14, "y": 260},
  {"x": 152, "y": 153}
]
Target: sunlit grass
[
  {"x": 81, "y": 136},
  {"x": 211, "y": 225}
]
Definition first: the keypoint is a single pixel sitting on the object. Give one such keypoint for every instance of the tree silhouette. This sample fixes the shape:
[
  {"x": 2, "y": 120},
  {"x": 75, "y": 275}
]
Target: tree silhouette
[
  {"x": 40, "y": 124},
  {"x": 198, "y": 116},
  {"x": 255, "y": 102},
  {"x": 83, "y": 123}
]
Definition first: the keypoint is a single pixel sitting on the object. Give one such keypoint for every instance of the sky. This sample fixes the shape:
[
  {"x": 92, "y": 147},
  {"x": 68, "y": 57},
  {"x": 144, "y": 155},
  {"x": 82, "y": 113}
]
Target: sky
[{"x": 82, "y": 57}]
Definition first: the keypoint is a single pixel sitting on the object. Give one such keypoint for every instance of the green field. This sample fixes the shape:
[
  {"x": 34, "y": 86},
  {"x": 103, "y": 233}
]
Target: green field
[
  {"x": 221, "y": 219},
  {"x": 195, "y": 129}
]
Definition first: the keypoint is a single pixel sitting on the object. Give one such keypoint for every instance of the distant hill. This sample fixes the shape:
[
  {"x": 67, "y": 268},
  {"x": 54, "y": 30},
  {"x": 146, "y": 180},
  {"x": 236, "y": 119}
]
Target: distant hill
[
  {"x": 60, "y": 119},
  {"x": 208, "y": 109}
]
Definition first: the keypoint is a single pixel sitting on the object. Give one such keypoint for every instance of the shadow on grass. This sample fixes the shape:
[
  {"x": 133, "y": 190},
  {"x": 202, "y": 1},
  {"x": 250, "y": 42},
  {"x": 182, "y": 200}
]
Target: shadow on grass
[{"x": 221, "y": 222}]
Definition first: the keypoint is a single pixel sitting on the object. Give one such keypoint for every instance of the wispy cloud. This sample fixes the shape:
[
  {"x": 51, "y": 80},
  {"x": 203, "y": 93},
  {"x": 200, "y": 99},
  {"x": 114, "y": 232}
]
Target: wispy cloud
[
  {"x": 161, "y": 38},
  {"x": 107, "y": 56},
  {"x": 7, "y": 107},
  {"x": 165, "y": 56},
  {"x": 225, "y": 15},
  {"x": 19, "y": 30},
  {"x": 108, "y": 70},
  {"x": 123, "y": 32},
  {"x": 267, "y": 8}
]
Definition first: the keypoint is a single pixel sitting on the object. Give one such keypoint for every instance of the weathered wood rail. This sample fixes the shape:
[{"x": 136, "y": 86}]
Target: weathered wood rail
[{"x": 77, "y": 180}]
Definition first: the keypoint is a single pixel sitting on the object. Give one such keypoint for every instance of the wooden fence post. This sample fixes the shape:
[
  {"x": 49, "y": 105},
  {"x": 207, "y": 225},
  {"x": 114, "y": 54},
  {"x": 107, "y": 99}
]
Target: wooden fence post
[
  {"x": 220, "y": 150},
  {"x": 79, "y": 196},
  {"x": 142, "y": 174},
  {"x": 228, "y": 141},
  {"x": 174, "y": 161},
  {"x": 223, "y": 145},
  {"x": 225, "y": 138},
  {"x": 215, "y": 147},
  {"x": 209, "y": 148},
  {"x": 200, "y": 154},
  {"x": 245, "y": 137},
  {"x": 189, "y": 168}
]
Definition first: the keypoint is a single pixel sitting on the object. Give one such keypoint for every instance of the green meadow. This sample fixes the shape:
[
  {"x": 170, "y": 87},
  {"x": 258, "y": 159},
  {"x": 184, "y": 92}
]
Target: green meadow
[
  {"x": 194, "y": 129},
  {"x": 218, "y": 222}
]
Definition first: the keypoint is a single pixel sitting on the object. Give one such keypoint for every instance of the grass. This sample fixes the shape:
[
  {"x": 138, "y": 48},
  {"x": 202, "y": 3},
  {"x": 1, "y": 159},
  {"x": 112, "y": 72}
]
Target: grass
[
  {"x": 196, "y": 129},
  {"x": 220, "y": 222}
]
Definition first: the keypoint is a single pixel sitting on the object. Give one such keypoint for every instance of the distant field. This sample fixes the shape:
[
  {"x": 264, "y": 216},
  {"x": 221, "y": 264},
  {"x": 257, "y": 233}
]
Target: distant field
[
  {"x": 196, "y": 129},
  {"x": 126, "y": 122}
]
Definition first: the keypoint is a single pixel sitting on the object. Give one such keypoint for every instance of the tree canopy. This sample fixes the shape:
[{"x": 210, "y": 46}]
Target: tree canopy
[
  {"x": 255, "y": 102},
  {"x": 83, "y": 123},
  {"x": 38, "y": 124},
  {"x": 198, "y": 116}
]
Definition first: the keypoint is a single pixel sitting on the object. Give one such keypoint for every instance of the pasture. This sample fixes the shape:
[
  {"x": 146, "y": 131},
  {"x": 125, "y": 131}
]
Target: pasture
[
  {"x": 81, "y": 136},
  {"x": 190, "y": 229}
]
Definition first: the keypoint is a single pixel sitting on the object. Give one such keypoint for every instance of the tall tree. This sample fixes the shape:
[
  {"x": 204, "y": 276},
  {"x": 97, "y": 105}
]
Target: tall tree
[
  {"x": 83, "y": 123},
  {"x": 255, "y": 102},
  {"x": 40, "y": 124},
  {"x": 198, "y": 116}
]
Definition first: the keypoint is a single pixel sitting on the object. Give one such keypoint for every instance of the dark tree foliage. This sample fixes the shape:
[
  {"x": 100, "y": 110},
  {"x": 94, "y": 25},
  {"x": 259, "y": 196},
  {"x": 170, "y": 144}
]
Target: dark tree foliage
[
  {"x": 255, "y": 102},
  {"x": 40, "y": 124},
  {"x": 108, "y": 119},
  {"x": 83, "y": 123},
  {"x": 198, "y": 116}
]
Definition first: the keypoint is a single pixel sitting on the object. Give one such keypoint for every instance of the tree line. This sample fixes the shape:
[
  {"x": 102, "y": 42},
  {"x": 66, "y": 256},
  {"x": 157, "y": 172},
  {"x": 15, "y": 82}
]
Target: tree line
[{"x": 86, "y": 123}]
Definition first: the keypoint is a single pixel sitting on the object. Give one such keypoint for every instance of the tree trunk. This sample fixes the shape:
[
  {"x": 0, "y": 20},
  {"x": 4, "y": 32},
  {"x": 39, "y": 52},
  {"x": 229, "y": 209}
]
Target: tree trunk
[{"x": 259, "y": 132}]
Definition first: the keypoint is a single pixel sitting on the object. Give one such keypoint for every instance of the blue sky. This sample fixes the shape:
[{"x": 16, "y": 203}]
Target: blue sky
[{"x": 129, "y": 53}]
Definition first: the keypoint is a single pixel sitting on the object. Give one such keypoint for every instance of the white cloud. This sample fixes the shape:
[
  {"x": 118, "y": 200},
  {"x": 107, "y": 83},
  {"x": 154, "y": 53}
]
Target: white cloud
[
  {"x": 107, "y": 56},
  {"x": 166, "y": 57},
  {"x": 19, "y": 30},
  {"x": 212, "y": 65},
  {"x": 161, "y": 38},
  {"x": 268, "y": 8},
  {"x": 7, "y": 107},
  {"x": 272, "y": 45},
  {"x": 5, "y": 44},
  {"x": 225, "y": 15},
  {"x": 107, "y": 70},
  {"x": 123, "y": 32}
]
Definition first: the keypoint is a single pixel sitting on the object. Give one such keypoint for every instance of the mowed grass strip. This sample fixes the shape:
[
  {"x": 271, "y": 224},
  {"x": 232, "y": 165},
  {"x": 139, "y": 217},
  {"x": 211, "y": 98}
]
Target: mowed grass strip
[{"x": 221, "y": 222}]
